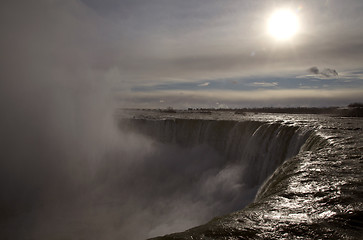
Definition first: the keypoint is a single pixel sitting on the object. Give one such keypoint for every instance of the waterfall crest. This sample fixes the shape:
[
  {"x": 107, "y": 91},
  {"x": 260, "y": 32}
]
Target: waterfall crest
[{"x": 259, "y": 146}]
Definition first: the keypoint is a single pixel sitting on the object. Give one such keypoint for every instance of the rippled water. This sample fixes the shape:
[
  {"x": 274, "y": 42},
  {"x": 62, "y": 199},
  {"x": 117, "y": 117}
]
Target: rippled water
[{"x": 317, "y": 194}]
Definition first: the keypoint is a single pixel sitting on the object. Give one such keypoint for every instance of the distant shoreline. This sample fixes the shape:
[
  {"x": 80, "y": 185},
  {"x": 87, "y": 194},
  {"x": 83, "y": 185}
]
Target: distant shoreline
[{"x": 355, "y": 111}]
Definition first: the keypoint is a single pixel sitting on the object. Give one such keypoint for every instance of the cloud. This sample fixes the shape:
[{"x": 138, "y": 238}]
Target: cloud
[
  {"x": 327, "y": 72},
  {"x": 158, "y": 41},
  {"x": 349, "y": 76},
  {"x": 203, "y": 84},
  {"x": 314, "y": 70},
  {"x": 252, "y": 98},
  {"x": 263, "y": 84}
]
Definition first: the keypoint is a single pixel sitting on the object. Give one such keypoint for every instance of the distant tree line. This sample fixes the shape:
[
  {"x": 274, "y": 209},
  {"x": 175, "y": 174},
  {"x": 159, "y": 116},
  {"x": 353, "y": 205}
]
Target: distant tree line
[
  {"x": 356, "y": 105},
  {"x": 352, "y": 110}
]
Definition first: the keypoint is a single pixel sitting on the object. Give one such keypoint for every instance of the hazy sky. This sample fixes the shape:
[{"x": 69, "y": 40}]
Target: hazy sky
[{"x": 185, "y": 53}]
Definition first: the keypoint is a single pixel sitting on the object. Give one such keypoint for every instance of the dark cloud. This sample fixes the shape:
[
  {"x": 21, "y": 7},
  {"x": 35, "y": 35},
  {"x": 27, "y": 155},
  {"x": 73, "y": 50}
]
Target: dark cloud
[
  {"x": 314, "y": 70},
  {"x": 327, "y": 72}
]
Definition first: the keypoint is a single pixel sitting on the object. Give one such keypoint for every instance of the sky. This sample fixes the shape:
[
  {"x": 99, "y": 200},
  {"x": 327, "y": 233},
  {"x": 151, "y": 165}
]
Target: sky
[{"x": 190, "y": 53}]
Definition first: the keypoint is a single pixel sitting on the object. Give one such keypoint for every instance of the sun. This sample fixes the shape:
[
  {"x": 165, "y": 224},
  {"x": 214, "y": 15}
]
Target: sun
[{"x": 283, "y": 24}]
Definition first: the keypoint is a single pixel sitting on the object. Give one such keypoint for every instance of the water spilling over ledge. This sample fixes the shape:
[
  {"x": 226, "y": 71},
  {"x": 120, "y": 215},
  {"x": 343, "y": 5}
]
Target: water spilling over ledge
[
  {"x": 249, "y": 150},
  {"x": 315, "y": 190}
]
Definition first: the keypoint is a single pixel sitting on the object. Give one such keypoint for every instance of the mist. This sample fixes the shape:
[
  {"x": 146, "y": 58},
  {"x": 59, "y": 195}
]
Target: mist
[
  {"x": 57, "y": 128},
  {"x": 67, "y": 171}
]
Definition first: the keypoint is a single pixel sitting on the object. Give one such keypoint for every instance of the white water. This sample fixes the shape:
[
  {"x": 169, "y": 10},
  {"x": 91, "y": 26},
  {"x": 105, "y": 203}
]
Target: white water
[
  {"x": 212, "y": 167},
  {"x": 260, "y": 146},
  {"x": 314, "y": 195}
]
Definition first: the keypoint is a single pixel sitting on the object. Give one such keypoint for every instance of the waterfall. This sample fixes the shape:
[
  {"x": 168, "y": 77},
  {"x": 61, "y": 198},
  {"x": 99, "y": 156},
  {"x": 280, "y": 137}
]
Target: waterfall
[
  {"x": 220, "y": 164},
  {"x": 257, "y": 146}
]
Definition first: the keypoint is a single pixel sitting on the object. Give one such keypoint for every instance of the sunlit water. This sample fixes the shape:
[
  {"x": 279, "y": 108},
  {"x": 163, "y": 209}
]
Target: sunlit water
[{"x": 315, "y": 195}]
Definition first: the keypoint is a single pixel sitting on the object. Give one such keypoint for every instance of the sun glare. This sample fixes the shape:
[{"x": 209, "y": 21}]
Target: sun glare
[{"x": 283, "y": 24}]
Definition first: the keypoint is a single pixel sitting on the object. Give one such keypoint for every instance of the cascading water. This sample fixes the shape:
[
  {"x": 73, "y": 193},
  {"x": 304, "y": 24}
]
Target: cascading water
[
  {"x": 314, "y": 192},
  {"x": 258, "y": 147},
  {"x": 249, "y": 152}
]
